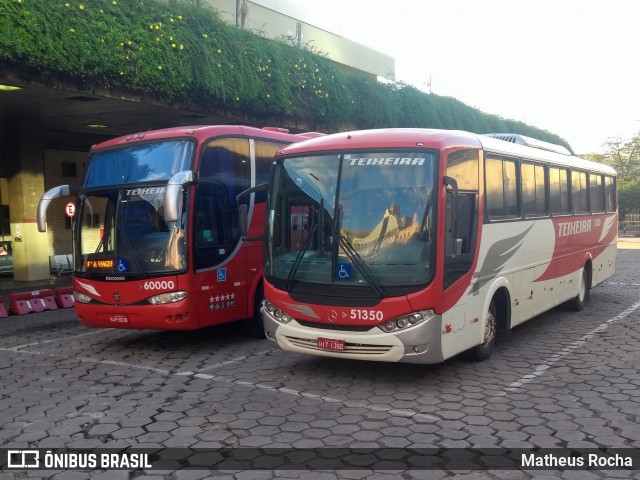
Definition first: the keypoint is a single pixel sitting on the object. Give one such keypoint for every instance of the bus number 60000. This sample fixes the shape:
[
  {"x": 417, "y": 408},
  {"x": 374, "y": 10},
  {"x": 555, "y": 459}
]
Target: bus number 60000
[{"x": 159, "y": 285}]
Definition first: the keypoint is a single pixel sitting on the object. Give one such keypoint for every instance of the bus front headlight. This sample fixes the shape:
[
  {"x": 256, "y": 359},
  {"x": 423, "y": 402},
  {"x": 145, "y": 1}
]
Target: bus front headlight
[
  {"x": 81, "y": 297},
  {"x": 169, "y": 297},
  {"x": 406, "y": 321},
  {"x": 276, "y": 313}
]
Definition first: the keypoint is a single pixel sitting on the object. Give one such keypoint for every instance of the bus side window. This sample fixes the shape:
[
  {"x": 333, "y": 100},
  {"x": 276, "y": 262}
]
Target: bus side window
[
  {"x": 205, "y": 230},
  {"x": 456, "y": 265},
  {"x": 464, "y": 229},
  {"x": 211, "y": 227},
  {"x": 265, "y": 151}
]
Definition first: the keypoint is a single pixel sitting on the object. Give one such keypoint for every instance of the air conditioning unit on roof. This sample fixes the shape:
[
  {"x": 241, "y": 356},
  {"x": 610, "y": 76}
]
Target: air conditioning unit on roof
[{"x": 529, "y": 142}]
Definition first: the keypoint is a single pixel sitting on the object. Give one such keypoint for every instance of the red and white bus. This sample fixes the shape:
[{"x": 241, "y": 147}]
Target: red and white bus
[
  {"x": 414, "y": 245},
  {"x": 157, "y": 242}
]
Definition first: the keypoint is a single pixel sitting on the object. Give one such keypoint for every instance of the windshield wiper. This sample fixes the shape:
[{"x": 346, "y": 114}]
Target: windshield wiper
[
  {"x": 355, "y": 258},
  {"x": 298, "y": 260}
]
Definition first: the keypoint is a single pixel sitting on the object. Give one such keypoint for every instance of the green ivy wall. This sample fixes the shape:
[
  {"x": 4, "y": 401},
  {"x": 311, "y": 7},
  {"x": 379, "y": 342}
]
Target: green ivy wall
[{"x": 186, "y": 54}]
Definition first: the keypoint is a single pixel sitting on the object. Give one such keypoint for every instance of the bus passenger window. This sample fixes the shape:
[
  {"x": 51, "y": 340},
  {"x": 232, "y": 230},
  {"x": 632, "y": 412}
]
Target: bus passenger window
[
  {"x": 610, "y": 193},
  {"x": 501, "y": 189},
  {"x": 596, "y": 192},
  {"x": 534, "y": 181},
  {"x": 579, "y": 192},
  {"x": 559, "y": 191}
]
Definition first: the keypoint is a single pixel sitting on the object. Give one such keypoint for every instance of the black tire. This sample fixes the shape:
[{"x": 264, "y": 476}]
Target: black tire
[
  {"x": 483, "y": 351},
  {"x": 253, "y": 326},
  {"x": 578, "y": 302}
]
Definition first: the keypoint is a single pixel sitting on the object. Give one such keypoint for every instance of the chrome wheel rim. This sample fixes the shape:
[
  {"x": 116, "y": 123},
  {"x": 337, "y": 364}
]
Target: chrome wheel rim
[{"x": 490, "y": 329}]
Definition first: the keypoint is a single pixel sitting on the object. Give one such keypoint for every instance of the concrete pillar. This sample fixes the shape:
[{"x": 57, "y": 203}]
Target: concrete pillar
[{"x": 24, "y": 153}]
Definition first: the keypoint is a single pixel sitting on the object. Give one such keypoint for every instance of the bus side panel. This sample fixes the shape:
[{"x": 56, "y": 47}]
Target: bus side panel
[
  {"x": 255, "y": 256},
  {"x": 604, "y": 265},
  {"x": 459, "y": 331},
  {"x": 580, "y": 239},
  {"x": 523, "y": 295},
  {"x": 513, "y": 251},
  {"x": 222, "y": 292}
]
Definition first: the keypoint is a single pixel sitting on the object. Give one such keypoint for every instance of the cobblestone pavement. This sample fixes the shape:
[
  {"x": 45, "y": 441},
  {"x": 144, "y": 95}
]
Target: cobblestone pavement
[{"x": 564, "y": 379}]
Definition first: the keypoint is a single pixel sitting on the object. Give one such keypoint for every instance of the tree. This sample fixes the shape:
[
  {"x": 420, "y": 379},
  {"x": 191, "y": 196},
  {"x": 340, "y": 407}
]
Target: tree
[{"x": 624, "y": 157}]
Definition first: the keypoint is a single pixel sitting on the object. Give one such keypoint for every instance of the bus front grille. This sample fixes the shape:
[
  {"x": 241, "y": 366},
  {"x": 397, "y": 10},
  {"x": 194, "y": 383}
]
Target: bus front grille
[{"x": 329, "y": 326}]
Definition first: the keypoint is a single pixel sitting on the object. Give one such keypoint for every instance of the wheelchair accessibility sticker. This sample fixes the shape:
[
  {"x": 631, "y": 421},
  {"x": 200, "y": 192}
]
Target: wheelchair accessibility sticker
[
  {"x": 123, "y": 265},
  {"x": 222, "y": 274},
  {"x": 344, "y": 271}
]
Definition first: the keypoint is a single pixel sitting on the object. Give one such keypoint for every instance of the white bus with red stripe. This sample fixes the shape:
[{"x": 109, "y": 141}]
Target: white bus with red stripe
[{"x": 414, "y": 245}]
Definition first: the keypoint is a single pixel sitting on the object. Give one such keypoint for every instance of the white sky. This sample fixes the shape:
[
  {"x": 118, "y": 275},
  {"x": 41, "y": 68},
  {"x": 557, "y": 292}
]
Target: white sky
[{"x": 568, "y": 66}]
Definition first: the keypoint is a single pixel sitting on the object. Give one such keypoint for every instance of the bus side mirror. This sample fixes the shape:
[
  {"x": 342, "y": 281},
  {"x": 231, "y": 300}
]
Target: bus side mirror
[
  {"x": 45, "y": 200},
  {"x": 173, "y": 194},
  {"x": 243, "y": 209}
]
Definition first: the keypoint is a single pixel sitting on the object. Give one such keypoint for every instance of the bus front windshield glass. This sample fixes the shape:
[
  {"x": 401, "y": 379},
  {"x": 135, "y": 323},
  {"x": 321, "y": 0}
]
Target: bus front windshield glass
[
  {"x": 122, "y": 232},
  {"x": 148, "y": 162},
  {"x": 352, "y": 219}
]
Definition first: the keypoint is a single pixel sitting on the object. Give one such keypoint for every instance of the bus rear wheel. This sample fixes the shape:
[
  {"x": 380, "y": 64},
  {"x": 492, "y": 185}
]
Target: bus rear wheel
[
  {"x": 577, "y": 303},
  {"x": 483, "y": 351}
]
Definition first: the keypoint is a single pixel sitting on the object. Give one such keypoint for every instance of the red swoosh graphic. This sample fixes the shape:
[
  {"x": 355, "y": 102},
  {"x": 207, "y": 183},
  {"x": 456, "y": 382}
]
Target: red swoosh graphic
[{"x": 578, "y": 234}]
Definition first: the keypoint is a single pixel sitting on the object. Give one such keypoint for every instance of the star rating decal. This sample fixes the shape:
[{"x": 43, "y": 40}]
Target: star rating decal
[{"x": 225, "y": 300}]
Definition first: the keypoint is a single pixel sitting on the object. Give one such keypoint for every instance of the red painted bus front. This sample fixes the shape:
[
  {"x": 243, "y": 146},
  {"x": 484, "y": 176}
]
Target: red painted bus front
[{"x": 157, "y": 239}]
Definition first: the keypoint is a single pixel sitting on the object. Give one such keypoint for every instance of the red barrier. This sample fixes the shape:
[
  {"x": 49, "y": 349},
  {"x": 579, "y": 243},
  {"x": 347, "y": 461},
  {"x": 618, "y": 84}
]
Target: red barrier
[
  {"x": 64, "y": 297},
  {"x": 3, "y": 311},
  {"x": 30, "y": 302}
]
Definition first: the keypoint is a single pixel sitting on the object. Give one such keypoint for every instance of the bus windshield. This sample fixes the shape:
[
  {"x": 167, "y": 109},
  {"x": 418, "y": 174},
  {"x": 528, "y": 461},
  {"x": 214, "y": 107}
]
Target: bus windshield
[
  {"x": 122, "y": 232},
  {"x": 358, "y": 219},
  {"x": 140, "y": 163}
]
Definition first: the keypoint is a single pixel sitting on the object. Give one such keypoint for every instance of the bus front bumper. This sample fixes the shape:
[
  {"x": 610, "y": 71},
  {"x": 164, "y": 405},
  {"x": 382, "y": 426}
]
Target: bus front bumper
[
  {"x": 418, "y": 344},
  {"x": 174, "y": 316}
]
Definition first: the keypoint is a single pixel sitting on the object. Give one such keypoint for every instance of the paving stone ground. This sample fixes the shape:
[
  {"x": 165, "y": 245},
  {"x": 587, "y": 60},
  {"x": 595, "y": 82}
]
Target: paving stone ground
[{"x": 564, "y": 379}]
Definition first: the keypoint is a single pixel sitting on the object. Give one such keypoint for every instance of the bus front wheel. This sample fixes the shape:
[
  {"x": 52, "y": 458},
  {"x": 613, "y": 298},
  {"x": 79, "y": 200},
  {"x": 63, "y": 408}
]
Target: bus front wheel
[
  {"x": 483, "y": 351},
  {"x": 253, "y": 326}
]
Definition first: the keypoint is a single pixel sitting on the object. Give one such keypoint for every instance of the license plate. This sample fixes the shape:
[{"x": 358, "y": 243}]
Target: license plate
[
  {"x": 330, "y": 344},
  {"x": 118, "y": 319}
]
